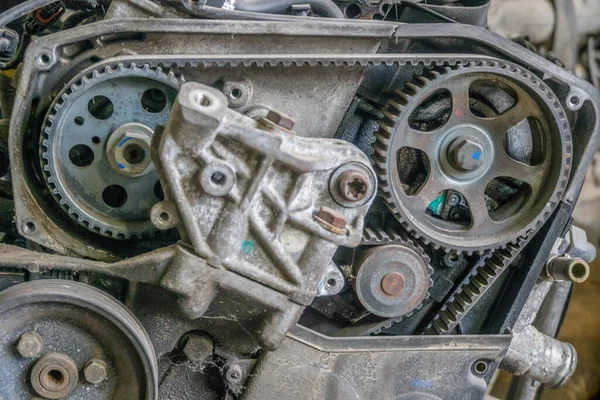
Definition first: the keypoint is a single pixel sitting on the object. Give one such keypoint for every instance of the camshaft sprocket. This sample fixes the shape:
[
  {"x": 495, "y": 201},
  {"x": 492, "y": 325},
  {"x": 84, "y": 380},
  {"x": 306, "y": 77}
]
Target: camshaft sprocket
[
  {"x": 96, "y": 147},
  {"x": 473, "y": 157}
]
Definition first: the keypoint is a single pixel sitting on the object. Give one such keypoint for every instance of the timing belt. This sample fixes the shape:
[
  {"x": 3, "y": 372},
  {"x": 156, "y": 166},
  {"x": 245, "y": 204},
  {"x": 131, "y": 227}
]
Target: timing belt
[{"x": 483, "y": 274}]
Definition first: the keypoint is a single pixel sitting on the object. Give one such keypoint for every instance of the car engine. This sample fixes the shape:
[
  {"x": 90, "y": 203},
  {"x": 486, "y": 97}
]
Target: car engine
[{"x": 281, "y": 199}]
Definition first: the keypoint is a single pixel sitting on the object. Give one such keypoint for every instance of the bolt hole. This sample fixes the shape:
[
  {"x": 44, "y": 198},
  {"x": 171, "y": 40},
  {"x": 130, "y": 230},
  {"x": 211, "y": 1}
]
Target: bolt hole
[
  {"x": 29, "y": 227},
  {"x": 164, "y": 216},
  {"x": 236, "y": 93},
  {"x": 96, "y": 140},
  {"x": 574, "y": 101},
  {"x": 134, "y": 154},
  {"x": 202, "y": 100},
  {"x": 154, "y": 100},
  {"x": 101, "y": 107},
  {"x": 56, "y": 377},
  {"x": 45, "y": 59},
  {"x": 114, "y": 196},
  {"x": 81, "y": 155},
  {"x": 480, "y": 367},
  {"x": 331, "y": 282},
  {"x": 353, "y": 11},
  {"x": 218, "y": 178},
  {"x": 79, "y": 120}
]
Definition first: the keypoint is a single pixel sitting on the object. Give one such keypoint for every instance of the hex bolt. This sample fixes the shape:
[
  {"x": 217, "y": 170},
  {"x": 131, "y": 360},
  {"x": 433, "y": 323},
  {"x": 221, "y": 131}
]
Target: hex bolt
[
  {"x": 331, "y": 220},
  {"x": 466, "y": 155},
  {"x": 281, "y": 120},
  {"x": 30, "y": 345},
  {"x": 198, "y": 347},
  {"x": 95, "y": 371},
  {"x": 353, "y": 185},
  {"x": 392, "y": 284}
]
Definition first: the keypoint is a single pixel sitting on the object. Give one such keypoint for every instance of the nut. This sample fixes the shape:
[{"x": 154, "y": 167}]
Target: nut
[
  {"x": 466, "y": 155},
  {"x": 95, "y": 371},
  {"x": 280, "y": 119},
  {"x": 128, "y": 149},
  {"x": 353, "y": 185},
  {"x": 30, "y": 345}
]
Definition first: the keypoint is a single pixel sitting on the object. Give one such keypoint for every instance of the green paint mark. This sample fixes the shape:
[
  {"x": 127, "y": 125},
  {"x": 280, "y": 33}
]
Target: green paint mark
[
  {"x": 248, "y": 246},
  {"x": 436, "y": 205}
]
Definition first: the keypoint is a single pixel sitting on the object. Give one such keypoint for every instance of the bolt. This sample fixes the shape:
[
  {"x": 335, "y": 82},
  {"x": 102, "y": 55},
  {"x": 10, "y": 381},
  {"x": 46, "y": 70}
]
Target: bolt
[
  {"x": 331, "y": 220},
  {"x": 128, "y": 149},
  {"x": 453, "y": 200},
  {"x": 234, "y": 374},
  {"x": 332, "y": 217},
  {"x": 353, "y": 185},
  {"x": 198, "y": 347},
  {"x": 95, "y": 371},
  {"x": 392, "y": 284},
  {"x": 30, "y": 345},
  {"x": 466, "y": 155},
  {"x": 281, "y": 119}
]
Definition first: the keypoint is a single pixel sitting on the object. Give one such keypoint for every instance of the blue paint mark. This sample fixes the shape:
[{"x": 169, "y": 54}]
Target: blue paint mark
[
  {"x": 476, "y": 155},
  {"x": 248, "y": 246},
  {"x": 121, "y": 166},
  {"x": 124, "y": 141},
  {"x": 421, "y": 383}
]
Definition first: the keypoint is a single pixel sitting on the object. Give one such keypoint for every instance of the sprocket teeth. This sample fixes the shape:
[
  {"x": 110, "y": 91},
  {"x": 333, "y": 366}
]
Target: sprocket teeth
[
  {"x": 379, "y": 237},
  {"x": 402, "y": 102},
  {"x": 73, "y": 89}
]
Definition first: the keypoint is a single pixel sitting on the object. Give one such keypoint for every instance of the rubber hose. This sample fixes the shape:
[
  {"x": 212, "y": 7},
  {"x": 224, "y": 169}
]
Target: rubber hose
[{"x": 324, "y": 8}]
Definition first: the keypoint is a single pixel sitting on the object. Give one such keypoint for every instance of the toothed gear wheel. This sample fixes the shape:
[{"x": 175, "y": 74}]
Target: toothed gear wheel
[
  {"x": 95, "y": 147},
  {"x": 393, "y": 280},
  {"x": 473, "y": 157}
]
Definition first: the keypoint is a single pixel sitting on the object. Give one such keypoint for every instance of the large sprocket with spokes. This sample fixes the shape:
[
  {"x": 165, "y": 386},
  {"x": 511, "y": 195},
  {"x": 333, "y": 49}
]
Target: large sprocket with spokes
[{"x": 473, "y": 157}]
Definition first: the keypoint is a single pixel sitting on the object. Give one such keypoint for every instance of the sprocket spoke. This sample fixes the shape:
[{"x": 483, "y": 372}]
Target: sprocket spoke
[
  {"x": 479, "y": 213},
  {"x": 506, "y": 166}
]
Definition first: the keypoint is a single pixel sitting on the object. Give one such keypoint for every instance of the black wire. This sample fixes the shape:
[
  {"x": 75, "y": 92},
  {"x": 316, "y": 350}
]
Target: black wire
[{"x": 21, "y": 10}]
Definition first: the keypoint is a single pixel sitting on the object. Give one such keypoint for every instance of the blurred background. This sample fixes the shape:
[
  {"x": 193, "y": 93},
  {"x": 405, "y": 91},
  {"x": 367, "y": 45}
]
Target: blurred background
[{"x": 568, "y": 32}]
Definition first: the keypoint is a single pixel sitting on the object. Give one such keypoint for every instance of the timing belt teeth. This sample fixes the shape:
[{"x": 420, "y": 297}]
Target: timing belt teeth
[
  {"x": 377, "y": 236},
  {"x": 484, "y": 274}
]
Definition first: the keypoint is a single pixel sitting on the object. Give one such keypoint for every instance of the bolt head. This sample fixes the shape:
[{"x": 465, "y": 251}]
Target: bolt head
[
  {"x": 280, "y": 119},
  {"x": 30, "y": 345},
  {"x": 466, "y": 155},
  {"x": 198, "y": 348},
  {"x": 332, "y": 217},
  {"x": 353, "y": 185},
  {"x": 392, "y": 284},
  {"x": 95, "y": 371},
  {"x": 234, "y": 374}
]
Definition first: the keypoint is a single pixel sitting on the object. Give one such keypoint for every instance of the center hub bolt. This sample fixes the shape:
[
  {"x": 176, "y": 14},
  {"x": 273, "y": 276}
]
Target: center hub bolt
[
  {"x": 466, "y": 155},
  {"x": 392, "y": 284}
]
